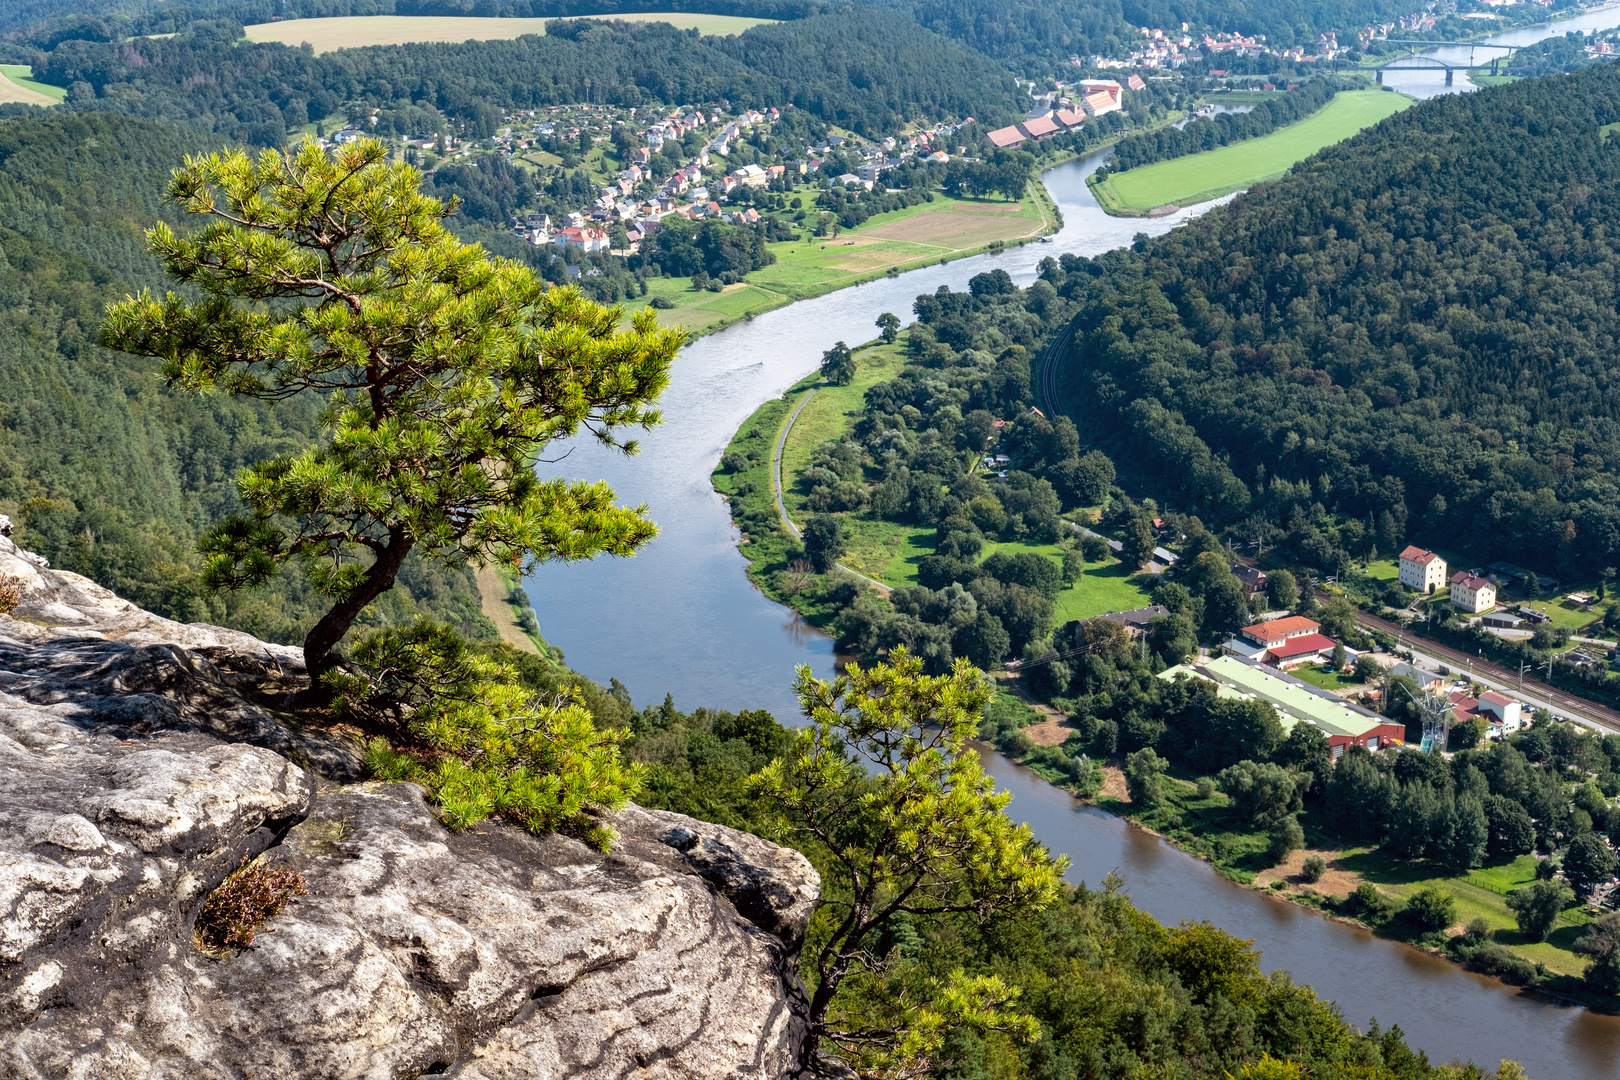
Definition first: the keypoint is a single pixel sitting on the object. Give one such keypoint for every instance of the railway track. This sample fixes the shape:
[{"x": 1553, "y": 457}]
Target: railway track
[
  {"x": 1563, "y": 700},
  {"x": 1049, "y": 370}
]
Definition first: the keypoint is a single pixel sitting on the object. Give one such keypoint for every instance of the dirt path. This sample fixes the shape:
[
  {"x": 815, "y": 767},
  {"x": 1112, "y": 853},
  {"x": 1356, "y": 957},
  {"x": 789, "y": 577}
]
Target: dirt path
[{"x": 492, "y": 598}]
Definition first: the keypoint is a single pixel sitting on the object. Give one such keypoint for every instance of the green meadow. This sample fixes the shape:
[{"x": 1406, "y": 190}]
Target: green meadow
[{"x": 1197, "y": 177}]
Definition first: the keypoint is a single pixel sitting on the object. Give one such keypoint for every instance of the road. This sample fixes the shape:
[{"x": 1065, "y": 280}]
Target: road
[{"x": 1049, "y": 369}]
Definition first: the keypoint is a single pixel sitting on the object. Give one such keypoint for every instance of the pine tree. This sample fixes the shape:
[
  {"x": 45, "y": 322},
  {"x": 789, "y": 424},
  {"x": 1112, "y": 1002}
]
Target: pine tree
[{"x": 445, "y": 372}]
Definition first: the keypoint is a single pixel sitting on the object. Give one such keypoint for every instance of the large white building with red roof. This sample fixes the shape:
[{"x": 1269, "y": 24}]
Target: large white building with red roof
[
  {"x": 1422, "y": 570},
  {"x": 1472, "y": 593},
  {"x": 1291, "y": 640}
]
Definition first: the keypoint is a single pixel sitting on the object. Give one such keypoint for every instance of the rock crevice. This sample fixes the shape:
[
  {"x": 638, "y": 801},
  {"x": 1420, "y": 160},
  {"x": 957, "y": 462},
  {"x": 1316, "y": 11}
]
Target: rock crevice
[{"x": 135, "y": 773}]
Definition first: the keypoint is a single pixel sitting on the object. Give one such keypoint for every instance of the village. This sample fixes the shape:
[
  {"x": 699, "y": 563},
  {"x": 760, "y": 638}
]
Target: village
[{"x": 698, "y": 139}]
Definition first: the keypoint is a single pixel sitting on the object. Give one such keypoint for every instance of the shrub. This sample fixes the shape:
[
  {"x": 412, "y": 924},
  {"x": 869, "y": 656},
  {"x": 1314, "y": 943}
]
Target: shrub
[
  {"x": 1478, "y": 930},
  {"x": 10, "y": 593},
  {"x": 1315, "y": 866},
  {"x": 1432, "y": 908},
  {"x": 1286, "y": 836},
  {"x": 464, "y": 727},
  {"x": 1489, "y": 958},
  {"x": 255, "y": 891},
  {"x": 1206, "y": 787},
  {"x": 1144, "y": 776},
  {"x": 1537, "y": 907},
  {"x": 1373, "y": 906},
  {"x": 663, "y": 303}
]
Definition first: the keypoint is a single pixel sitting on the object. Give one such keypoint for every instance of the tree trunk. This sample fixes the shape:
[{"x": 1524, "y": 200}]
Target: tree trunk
[{"x": 320, "y": 647}]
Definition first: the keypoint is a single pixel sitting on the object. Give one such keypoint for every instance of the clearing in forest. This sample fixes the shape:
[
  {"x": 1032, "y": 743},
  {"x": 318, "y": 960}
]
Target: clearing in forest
[
  {"x": 1196, "y": 178},
  {"x": 353, "y": 31},
  {"x": 16, "y": 87}
]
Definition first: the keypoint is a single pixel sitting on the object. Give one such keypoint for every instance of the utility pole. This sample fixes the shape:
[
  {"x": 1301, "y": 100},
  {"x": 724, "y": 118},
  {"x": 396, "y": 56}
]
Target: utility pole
[{"x": 1522, "y": 665}]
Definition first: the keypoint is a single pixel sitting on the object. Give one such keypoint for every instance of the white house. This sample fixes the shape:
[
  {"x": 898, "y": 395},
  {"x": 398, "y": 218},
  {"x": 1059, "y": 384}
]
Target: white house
[
  {"x": 582, "y": 239},
  {"x": 1472, "y": 594},
  {"x": 1422, "y": 570},
  {"x": 1503, "y": 713}
]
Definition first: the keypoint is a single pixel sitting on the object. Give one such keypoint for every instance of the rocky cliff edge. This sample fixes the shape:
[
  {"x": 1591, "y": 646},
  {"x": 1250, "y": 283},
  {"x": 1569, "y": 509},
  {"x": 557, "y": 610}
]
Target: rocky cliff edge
[{"x": 138, "y": 767}]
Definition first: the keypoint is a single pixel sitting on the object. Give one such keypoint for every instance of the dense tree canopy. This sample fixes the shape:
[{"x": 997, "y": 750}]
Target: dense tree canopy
[
  {"x": 1412, "y": 330},
  {"x": 870, "y": 72}
]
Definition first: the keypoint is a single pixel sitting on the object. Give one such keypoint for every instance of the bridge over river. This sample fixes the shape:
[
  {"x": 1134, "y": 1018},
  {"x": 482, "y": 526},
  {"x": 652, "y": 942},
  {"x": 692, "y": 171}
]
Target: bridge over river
[{"x": 1450, "y": 67}]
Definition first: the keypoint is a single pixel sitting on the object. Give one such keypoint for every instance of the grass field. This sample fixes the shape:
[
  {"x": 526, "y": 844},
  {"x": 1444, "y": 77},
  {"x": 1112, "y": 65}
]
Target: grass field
[
  {"x": 1197, "y": 177},
  {"x": 353, "y": 31},
  {"x": 946, "y": 228},
  {"x": 17, "y": 87}
]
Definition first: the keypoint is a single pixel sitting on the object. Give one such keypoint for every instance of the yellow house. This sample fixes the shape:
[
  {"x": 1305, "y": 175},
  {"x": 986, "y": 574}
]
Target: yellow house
[{"x": 1472, "y": 594}]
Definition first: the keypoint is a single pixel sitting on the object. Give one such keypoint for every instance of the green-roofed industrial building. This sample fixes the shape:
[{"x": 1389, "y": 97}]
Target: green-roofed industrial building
[{"x": 1296, "y": 702}]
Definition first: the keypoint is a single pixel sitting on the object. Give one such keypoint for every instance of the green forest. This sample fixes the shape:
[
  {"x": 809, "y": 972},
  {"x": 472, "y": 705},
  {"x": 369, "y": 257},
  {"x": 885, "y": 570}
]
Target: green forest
[
  {"x": 1411, "y": 331},
  {"x": 869, "y": 71}
]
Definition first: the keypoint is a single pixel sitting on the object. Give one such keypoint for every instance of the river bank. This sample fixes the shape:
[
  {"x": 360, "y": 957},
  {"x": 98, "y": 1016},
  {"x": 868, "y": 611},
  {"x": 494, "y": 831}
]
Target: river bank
[
  {"x": 758, "y": 475},
  {"x": 690, "y": 622}
]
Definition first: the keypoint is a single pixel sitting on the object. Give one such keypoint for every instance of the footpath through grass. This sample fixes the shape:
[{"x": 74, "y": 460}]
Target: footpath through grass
[{"x": 1198, "y": 177}]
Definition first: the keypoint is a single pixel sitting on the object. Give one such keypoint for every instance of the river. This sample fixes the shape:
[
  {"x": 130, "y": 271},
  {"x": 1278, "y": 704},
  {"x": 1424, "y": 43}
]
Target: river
[
  {"x": 1431, "y": 82},
  {"x": 681, "y": 618}
]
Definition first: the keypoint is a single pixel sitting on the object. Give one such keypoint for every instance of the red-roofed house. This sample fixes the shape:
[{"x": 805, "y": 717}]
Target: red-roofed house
[
  {"x": 1069, "y": 118},
  {"x": 1305, "y": 649},
  {"x": 1006, "y": 138},
  {"x": 1422, "y": 570},
  {"x": 1278, "y": 631},
  {"x": 1135, "y": 83},
  {"x": 1115, "y": 91},
  {"x": 1040, "y": 127},
  {"x": 1472, "y": 594},
  {"x": 583, "y": 239},
  {"x": 1501, "y": 713},
  {"x": 1099, "y": 104}
]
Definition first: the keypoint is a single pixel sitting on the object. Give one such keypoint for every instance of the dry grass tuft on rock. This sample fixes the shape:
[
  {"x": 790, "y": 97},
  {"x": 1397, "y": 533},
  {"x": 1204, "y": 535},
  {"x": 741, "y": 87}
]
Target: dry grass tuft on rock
[
  {"x": 232, "y": 914},
  {"x": 11, "y": 590}
]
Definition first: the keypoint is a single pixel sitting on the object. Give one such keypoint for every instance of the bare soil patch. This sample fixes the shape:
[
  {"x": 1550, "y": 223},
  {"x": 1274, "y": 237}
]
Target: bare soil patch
[
  {"x": 1337, "y": 882},
  {"x": 1114, "y": 785},
  {"x": 1050, "y": 732}
]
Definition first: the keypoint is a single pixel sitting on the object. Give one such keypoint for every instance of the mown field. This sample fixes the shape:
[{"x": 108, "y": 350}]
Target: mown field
[
  {"x": 16, "y": 87},
  {"x": 1197, "y": 177},
  {"x": 353, "y": 31},
  {"x": 946, "y": 228}
]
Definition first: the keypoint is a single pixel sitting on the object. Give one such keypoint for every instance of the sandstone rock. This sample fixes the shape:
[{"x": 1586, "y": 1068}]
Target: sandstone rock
[{"x": 135, "y": 774}]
